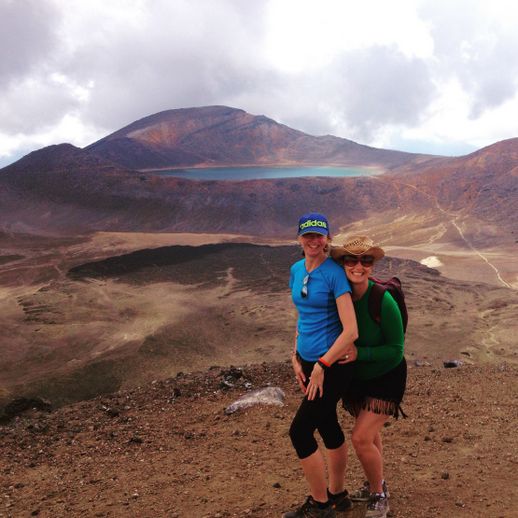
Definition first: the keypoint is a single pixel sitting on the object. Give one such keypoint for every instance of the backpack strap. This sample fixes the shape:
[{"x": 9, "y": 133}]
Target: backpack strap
[{"x": 375, "y": 299}]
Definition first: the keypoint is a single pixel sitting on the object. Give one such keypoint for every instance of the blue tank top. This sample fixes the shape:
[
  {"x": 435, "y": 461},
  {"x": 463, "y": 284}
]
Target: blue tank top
[{"x": 318, "y": 322}]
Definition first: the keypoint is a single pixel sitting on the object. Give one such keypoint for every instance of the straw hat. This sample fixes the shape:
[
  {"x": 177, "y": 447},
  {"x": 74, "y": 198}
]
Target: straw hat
[{"x": 357, "y": 245}]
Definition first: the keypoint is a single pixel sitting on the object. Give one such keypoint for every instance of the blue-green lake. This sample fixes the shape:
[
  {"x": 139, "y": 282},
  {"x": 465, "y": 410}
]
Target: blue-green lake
[{"x": 258, "y": 173}]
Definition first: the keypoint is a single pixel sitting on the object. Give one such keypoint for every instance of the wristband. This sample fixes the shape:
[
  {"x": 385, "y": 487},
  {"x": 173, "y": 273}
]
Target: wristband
[{"x": 323, "y": 364}]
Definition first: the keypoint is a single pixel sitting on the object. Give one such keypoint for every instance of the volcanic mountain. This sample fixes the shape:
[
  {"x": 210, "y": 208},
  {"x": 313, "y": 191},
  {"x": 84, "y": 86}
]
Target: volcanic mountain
[
  {"x": 64, "y": 188},
  {"x": 218, "y": 135}
]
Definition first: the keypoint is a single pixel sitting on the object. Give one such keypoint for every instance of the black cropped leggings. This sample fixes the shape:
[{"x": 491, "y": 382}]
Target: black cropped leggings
[{"x": 320, "y": 413}]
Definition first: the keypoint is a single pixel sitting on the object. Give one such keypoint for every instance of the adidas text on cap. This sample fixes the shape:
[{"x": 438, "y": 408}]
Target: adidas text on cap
[{"x": 313, "y": 222}]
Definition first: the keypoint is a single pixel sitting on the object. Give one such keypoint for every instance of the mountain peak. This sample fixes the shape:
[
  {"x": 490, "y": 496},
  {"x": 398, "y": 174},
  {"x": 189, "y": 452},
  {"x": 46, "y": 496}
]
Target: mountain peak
[{"x": 225, "y": 136}]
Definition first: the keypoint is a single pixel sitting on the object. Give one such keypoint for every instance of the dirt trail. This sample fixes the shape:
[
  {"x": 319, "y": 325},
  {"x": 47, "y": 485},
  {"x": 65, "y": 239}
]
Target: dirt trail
[
  {"x": 480, "y": 254},
  {"x": 490, "y": 340},
  {"x": 230, "y": 283}
]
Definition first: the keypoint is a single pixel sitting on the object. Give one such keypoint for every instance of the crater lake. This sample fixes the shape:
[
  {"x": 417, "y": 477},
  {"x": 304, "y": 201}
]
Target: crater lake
[{"x": 264, "y": 173}]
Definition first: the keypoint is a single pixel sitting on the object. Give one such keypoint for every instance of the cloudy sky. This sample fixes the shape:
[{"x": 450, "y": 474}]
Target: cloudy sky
[{"x": 437, "y": 76}]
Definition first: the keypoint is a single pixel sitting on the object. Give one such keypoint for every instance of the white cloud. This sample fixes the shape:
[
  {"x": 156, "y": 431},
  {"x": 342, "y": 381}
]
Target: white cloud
[
  {"x": 306, "y": 35},
  {"x": 477, "y": 44},
  {"x": 70, "y": 128},
  {"x": 34, "y": 104}
]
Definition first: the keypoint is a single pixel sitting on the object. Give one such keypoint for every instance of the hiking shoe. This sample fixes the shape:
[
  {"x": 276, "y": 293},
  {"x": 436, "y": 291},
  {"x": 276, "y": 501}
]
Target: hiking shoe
[
  {"x": 310, "y": 509},
  {"x": 340, "y": 502},
  {"x": 378, "y": 506},
  {"x": 363, "y": 493}
]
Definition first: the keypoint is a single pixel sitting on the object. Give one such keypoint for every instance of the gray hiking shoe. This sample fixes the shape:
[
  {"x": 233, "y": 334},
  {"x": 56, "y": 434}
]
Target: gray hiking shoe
[
  {"x": 310, "y": 509},
  {"x": 378, "y": 506},
  {"x": 340, "y": 502},
  {"x": 363, "y": 493}
]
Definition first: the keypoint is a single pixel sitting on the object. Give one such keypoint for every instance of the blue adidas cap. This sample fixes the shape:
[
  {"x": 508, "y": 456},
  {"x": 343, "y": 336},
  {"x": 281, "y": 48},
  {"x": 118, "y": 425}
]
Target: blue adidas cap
[{"x": 313, "y": 222}]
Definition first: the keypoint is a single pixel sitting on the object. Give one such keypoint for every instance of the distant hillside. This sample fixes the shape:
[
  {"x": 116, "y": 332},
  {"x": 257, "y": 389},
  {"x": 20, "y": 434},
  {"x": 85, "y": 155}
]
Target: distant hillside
[
  {"x": 483, "y": 184},
  {"x": 63, "y": 187},
  {"x": 60, "y": 157},
  {"x": 68, "y": 200},
  {"x": 218, "y": 135}
]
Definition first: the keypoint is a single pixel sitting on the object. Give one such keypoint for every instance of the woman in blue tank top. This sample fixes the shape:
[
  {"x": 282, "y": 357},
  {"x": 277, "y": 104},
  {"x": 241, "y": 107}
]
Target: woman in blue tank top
[{"x": 326, "y": 330}]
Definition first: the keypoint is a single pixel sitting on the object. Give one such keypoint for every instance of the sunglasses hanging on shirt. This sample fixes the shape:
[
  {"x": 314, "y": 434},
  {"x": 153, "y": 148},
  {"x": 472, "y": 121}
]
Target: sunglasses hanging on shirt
[{"x": 304, "y": 290}]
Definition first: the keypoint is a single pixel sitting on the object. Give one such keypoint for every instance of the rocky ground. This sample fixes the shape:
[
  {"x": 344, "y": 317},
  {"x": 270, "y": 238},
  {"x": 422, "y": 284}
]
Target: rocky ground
[{"x": 168, "y": 449}]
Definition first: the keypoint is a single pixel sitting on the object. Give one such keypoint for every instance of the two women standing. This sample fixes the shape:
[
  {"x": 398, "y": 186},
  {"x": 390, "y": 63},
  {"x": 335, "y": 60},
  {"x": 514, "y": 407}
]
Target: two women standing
[{"x": 327, "y": 342}]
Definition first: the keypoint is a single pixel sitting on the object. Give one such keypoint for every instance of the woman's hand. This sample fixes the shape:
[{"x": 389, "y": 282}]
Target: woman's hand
[
  {"x": 316, "y": 383},
  {"x": 299, "y": 374},
  {"x": 350, "y": 355}
]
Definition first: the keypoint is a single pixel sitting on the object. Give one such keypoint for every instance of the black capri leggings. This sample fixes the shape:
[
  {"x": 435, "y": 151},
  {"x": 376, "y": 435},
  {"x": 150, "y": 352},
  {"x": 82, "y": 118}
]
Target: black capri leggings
[{"x": 320, "y": 413}]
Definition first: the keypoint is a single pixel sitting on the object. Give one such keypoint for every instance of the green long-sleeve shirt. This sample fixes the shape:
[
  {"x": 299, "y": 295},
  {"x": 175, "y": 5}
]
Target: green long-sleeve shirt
[{"x": 380, "y": 347}]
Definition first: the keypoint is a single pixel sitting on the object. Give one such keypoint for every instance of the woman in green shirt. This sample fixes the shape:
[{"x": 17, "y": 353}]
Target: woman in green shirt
[{"x": 380, "y": 373}]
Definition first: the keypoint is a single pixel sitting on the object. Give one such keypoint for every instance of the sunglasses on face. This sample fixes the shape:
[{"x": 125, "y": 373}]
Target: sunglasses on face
[
  {"x": 304, "y": 290},
  {"x": 353, "y": 260}
]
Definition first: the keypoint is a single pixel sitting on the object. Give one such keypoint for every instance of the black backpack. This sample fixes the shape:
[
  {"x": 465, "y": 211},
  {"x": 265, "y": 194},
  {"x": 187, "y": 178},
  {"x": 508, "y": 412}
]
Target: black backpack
[{"x": 393, "y": 286}]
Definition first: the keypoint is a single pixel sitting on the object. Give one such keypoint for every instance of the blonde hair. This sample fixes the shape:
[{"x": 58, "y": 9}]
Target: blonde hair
[{"x": 327, "y": 248}]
